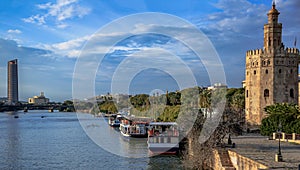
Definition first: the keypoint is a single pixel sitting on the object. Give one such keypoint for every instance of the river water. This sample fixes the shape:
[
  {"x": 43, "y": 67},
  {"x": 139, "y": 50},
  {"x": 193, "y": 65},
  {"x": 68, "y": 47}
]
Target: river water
[{"x": 58, "y": 141}]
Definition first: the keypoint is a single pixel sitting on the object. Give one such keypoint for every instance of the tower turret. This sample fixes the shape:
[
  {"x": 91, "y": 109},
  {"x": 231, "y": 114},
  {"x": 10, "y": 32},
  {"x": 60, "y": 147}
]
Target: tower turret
[{"x": 272, "y": 30}]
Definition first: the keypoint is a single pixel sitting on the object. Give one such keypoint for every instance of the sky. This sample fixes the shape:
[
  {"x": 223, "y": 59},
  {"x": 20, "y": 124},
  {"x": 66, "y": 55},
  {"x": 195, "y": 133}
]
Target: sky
[{"x": 60, "y": 42}]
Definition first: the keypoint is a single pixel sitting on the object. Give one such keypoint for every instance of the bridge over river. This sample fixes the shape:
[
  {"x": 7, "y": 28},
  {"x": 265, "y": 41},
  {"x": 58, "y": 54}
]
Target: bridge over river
[{"x": 27, "y": 107}]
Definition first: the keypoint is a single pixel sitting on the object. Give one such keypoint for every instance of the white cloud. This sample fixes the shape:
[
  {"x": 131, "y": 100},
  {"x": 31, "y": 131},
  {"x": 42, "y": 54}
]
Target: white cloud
[
  {"x": 236, "y": 17},
  {"x": 60, "y": 11},
  {"x": 15, "y": 31},
  {"x": 71, "y": 48},
  {"x": 99, "y": 43},
  {"x": 62, "y": 26},
  {"x": 37, "y": 19}
]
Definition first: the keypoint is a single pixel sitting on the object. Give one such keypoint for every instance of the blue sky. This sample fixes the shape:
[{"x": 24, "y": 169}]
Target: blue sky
[{"x": 48, "y": 36}]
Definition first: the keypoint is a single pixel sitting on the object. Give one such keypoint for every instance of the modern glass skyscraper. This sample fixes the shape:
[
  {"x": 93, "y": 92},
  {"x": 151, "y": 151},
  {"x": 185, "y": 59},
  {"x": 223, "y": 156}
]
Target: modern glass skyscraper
[{"x": 12, "y": 82}]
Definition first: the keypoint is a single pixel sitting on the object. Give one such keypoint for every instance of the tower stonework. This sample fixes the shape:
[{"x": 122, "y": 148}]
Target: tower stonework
[{"x": 271, "y": 72}]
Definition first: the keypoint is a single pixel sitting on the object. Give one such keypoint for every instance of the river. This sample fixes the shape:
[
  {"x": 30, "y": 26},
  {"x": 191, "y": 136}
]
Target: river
[{"x": 42, "y": 140}]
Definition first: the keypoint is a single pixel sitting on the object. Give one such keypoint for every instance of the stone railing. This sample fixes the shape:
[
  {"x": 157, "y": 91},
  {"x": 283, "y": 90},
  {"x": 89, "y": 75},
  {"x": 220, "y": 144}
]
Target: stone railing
[
  {"x": 244, "y": 163},
  {"x": 287, "y": 137}
]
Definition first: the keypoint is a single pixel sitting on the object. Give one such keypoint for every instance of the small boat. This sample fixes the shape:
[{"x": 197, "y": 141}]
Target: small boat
[
  {"x": 163, "y": 138},
  {"x": 114, "y": 121},
  {"x": 135, "y": 129}
]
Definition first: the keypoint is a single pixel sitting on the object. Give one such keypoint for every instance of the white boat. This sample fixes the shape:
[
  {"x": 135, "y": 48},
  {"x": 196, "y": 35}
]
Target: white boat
[
  {"x": 133, "y": 129},
  {"x": 115, "y": 120},
  {"x": 163, "y": 138}
]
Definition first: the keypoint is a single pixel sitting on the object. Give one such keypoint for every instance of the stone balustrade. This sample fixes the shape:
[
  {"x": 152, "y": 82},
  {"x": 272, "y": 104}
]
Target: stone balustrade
[{"x": 287, "y": 137}]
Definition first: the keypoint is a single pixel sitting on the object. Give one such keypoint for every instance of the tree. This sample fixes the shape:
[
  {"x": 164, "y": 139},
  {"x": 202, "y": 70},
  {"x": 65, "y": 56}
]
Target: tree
[
  {"x": 108, "y": 107},
  {"x": 284, "y": 113},
  {"x": 68, "y": 103}
]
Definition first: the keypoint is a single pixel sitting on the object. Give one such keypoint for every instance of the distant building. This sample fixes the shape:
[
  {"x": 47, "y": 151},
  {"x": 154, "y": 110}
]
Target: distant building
[
  {"x": 271, "y": 72},
  {"x": 3, "y": 99},
  {"x": 12, "y": 82},
  {"x": 41, "y": 99},
  {"x": 217, "y": 86},
  {"x": 244, "y": 84}
]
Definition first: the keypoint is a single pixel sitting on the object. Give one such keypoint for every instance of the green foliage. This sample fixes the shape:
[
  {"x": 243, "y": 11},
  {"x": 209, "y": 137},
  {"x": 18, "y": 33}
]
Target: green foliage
[
  {"x": 236, "y": 98},
  {"x": 205, "y": 98},
  {"x": 167, "y": 107},
  {"x": 284, "y": 113},
  {"x": 108, "y": 107},
  {"x": 67, "y": 103},
  {"x": 173, "y": 98},
  {"x": 169, "y": 114},
  {"x": 67, "y": 106},
  {"x": 140, "y": 102}
]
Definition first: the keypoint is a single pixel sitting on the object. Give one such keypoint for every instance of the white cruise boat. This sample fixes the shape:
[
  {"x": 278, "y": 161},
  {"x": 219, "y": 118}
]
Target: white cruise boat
[
  {"x": 163, "y": 138},
  {"x": 135, "y": 129}
]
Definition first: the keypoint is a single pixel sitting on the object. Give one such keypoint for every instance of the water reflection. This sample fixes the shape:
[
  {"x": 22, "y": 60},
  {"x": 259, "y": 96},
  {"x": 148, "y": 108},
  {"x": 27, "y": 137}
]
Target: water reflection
[
  {"x": 58, "y": 141},
  {"x": 12, "y": 147}
]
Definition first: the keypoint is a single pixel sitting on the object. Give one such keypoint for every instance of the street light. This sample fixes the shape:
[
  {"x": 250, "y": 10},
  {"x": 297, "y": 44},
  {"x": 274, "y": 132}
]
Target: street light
[{"x": 278, "y": 156}]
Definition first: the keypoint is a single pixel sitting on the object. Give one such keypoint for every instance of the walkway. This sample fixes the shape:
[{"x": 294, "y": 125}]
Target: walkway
[{"x": 263, "y": 150}]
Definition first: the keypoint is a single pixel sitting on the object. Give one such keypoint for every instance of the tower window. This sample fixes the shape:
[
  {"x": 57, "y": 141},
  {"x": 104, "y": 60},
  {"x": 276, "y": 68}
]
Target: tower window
[
  {"x": 267, "y": 71},
  {"x": 246, "y": 93},
  {"x": 254, "y": 72},
  {"x": 292, "y": 93},
  {"x": 291, "y": 71},
  {"x": 279, "y": 71},
  {"x": 269, "y": 62},
  {"x": 266, "y": 93}
]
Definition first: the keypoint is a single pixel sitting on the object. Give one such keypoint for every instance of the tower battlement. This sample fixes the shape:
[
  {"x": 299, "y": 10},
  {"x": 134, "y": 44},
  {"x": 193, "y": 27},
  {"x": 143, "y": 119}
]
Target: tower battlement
[
  {"x": 287, "y": 51},
  {"x": 292, "y": 50},
  {"x": 254, "y": 52}
]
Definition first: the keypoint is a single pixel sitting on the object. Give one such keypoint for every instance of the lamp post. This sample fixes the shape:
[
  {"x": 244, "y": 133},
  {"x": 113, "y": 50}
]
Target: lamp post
[{"x": 278, "y": 156}]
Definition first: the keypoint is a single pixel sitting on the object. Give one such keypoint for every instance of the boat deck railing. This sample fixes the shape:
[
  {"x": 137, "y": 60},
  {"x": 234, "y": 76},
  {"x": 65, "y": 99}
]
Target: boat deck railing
[{"x": 163, "y": 139}]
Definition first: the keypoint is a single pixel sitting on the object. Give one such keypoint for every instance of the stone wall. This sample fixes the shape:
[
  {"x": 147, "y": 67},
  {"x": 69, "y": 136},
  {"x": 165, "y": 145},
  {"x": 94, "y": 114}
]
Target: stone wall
[{"x": 243, "y": 163}]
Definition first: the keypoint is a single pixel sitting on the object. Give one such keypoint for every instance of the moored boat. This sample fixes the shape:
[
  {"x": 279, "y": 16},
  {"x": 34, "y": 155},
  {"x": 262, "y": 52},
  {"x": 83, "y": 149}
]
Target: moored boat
[
  {"x": 134, "y": 129},
  {"x": 163, "y": 138},
  {"x": 115, "y": 120}
]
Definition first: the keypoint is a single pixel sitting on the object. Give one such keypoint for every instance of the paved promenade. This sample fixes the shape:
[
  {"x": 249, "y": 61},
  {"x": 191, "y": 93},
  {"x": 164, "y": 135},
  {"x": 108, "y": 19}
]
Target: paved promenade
[{"x": 263, "y": 150}]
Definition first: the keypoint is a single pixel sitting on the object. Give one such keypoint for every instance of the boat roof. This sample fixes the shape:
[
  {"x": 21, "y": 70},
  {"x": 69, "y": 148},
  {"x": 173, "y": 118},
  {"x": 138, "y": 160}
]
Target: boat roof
[
  {"x": 162, "y": 123},
  {"x": 140, "y": 119}
]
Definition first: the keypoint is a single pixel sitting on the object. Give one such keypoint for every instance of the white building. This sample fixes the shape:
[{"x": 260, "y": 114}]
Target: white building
[
  {"x": 41, "y": 99},
  {"x": 217, "y": 86}
]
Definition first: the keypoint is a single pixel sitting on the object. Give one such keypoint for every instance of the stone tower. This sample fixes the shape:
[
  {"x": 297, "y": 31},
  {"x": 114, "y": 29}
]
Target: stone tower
[{"x": 271, "y": 72}]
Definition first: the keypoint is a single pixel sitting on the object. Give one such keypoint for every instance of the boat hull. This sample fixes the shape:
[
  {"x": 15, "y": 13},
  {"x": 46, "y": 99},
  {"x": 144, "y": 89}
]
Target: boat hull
[
  {"x": 134, "y": 135},
  {"x": 163, "y": 150},
  {"x": 114, "y": 125},
  {"x": 139, "y": 135}
]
